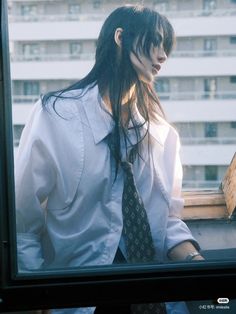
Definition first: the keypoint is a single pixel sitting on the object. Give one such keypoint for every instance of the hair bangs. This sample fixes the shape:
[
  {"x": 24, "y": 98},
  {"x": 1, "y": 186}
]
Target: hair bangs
[
  {"x": 156, "y": 31},
  {"x": 168, "y": 35}
]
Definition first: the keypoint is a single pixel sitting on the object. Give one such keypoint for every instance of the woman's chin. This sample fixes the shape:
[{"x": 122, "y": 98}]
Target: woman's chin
[{"x": 148, "y": 79}]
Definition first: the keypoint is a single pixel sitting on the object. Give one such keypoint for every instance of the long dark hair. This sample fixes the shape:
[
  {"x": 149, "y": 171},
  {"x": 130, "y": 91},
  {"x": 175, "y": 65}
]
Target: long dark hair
[{"x": 113, "y": 71}]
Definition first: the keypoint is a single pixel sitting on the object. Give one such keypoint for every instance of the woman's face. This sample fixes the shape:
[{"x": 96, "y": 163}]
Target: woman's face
[{"x": 148, "y": 67}]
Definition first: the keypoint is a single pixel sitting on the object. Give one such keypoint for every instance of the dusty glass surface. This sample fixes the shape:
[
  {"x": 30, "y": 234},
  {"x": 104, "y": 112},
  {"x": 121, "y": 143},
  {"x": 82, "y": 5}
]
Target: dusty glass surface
[{"x": 68, "y": 207}]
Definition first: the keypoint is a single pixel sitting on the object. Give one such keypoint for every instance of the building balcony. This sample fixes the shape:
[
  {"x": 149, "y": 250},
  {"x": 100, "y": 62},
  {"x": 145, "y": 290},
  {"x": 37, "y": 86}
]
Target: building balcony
[
  {"x": 197, "y": 95},
  {"x": 176, "y": 111},
  {"x": 203, "y": 53},
  {"x": 208, "y": 140},
  {"x": 189, "y": 185},
  {"x": 24, "y": 99},
  {"x": 21, "y": 113},
  {"x": 56, "y": 17},
  {"x": 87, "y": 26},
  {"x": 199, "y": 66},
  {"x": 101, "y": 16},
  {"x": 16, "y": 57},
  {"x": 174, "y": 67},
  {"x": 54, "y": 30},
  {"x": 199, "y": 13},
  {"x": 211, "y": 154},
  {"x": 200, "y": 110},
  {"x": 170, "y": 96},
  {"x": 47, "y": 70},
  {"x": 52, "y": 57}
]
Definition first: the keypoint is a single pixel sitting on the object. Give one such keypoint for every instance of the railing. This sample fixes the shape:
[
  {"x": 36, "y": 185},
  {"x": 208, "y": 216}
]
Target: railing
[
  {"x": 203, "y": 53},
  {"x": 56, "y": 17},
  {"x": 52, "y": 57},
  {"x": 91, "y": 55},
  {"x": 102, "y": 16},
  {"x": 208, "y": 140},
  {"x": 32, "y": 1},
  {"x": 199, "y": 95},
  {"x": 197, "y": 13},
  {"x": 162, "y": 96},
  {"x": 200, "y": 184},
  {"x": 24, "y": 99}
]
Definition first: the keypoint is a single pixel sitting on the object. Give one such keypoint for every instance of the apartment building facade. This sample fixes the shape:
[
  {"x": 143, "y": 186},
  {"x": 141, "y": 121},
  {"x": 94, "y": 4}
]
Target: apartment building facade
[{"x": 52, "y": 44}]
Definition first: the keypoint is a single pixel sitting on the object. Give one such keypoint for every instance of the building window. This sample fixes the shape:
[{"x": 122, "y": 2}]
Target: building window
[
  {"x": 210, "y": 46},
  {"x": 160, "y": 5},
  {"x": 232, "y": 40},
  {"x": 211, "y": 173},
  {"x": 233, "y": 124},
  {"x": 30, "y": 50},
  {"x": 31, "y": 88},
  {"x": 210, "y": 129},
  {"x": 28, "y": 10},
  {"x": 209, "y": 88},
  {"x": 75, "y": 48},
  {"x": 74, "y": 8},
  {"x": 96, "y": 4},
  {"x": 233, "y": 79},
  {"x": 209, "y": 5},
  {"x": 162, "y": 87}
]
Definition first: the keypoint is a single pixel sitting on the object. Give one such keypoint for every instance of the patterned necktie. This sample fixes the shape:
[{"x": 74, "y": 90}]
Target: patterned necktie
[
  {"x": 136, "y": 228},
  {"x": 137, "y": 232}
]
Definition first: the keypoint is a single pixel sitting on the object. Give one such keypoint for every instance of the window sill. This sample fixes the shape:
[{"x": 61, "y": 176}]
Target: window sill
[
  {"x": 213, "y": 204},
  {"x": 204, "y": 205}
]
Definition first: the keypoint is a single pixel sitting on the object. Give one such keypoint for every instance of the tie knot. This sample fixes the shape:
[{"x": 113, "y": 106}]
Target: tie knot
[{"x": 127, "y": 167}]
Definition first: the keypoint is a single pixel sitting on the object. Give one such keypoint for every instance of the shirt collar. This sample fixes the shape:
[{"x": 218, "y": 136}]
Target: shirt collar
[{"x": 100, "y": 121}]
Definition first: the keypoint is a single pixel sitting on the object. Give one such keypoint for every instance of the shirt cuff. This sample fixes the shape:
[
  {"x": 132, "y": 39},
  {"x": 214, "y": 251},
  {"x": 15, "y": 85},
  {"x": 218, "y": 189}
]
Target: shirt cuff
[{"x": 178, "y": 232}]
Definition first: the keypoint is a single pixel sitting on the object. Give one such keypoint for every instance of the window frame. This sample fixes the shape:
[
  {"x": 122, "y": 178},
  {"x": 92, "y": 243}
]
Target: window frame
[{"x": 95, "y": 285}]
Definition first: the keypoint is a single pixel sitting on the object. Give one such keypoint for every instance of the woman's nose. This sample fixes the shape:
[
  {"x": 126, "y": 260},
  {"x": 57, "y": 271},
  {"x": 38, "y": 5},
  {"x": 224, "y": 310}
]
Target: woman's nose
[{"x": 161, "y": 55}]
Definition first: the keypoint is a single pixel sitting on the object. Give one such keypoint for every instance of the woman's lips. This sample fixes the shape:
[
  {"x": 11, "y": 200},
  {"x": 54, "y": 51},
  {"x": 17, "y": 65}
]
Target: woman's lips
[{"x": 156, "y": 68}]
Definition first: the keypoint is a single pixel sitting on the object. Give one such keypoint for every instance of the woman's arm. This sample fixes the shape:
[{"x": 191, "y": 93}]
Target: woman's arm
[
  {"x": 185, "y": 251},
  {"x": 34, "y": 180},
  {"x": 180, "y": 243}
]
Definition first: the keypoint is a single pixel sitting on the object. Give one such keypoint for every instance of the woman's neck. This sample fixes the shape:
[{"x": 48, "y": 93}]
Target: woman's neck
[{"x": 125, "y": 100}]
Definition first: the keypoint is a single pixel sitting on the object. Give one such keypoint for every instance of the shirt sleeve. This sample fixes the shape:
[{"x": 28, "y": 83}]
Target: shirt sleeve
[
  {"x": 34, "y": 179},
  {"x": 48, "y": 169},
  {"x": 177, "y": 230}
]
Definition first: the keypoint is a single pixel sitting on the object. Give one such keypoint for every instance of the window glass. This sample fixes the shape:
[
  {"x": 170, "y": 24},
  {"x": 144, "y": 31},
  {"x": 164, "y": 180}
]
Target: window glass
[
  {"x": 209, "y": 5},
  {"x": 28, "y": 10},
  {"x": 211, "y": 129},
  {"x": 69, "y": 186},
  {"x": 74, "y": 191},
  {"x": 211, "y": 173},
  {"x": 74, "y": 8},
  {"x": 233, "y": 39},
  {"x": 233, "y": 79},
  {"x": 96, "y": 4}
]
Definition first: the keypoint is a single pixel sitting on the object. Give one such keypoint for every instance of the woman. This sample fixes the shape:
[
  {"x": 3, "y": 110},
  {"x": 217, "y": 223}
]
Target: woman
[{"x": 69, "y": 174}]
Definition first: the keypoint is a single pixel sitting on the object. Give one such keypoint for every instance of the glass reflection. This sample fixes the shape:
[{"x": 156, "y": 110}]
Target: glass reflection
[{"x": 69, "y": 182}]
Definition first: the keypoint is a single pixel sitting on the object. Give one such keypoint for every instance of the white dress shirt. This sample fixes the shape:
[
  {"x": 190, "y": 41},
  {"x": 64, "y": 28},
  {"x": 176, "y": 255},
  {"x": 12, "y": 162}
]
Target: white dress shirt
[{"x": 67, "y": 203}]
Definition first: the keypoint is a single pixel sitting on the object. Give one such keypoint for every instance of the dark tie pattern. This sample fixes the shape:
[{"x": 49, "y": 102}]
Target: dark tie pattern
[
  {"x": 137, "y": 233},
  {"x": 136, "y": 229}
]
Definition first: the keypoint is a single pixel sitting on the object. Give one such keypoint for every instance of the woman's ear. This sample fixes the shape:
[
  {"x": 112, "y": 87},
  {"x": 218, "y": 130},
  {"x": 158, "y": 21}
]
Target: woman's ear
[{"x": 118, "y": 36}]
